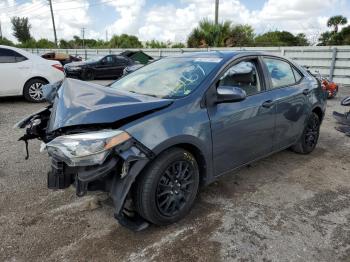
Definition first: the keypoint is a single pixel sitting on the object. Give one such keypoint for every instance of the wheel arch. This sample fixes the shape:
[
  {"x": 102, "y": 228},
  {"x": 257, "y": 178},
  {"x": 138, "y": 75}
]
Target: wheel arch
[
  {"x": 32, "y": 78},
  {"x": 198, "y": 151},
  {"x": 318, "y": 111}
]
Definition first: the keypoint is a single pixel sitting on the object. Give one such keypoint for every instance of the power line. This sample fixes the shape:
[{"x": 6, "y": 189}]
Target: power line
[{"x": 23, "y": 6}]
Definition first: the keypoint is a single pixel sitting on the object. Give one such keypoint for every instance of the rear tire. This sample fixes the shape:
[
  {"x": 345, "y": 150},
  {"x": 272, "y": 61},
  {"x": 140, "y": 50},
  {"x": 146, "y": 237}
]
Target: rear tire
[
  {"x": 32, "y": 90},
  {"x": 166, "y": 190},
  {"x": 309, "y": 138}
]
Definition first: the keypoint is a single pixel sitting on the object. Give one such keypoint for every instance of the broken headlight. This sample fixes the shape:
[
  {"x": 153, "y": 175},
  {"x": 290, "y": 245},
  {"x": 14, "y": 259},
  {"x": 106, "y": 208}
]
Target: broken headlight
[{"x": 86, "y": 149}]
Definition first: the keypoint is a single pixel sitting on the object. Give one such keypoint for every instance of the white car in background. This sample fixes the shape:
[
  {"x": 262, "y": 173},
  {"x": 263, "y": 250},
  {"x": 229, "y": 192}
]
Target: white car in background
[{"x": 23, "y": 73}]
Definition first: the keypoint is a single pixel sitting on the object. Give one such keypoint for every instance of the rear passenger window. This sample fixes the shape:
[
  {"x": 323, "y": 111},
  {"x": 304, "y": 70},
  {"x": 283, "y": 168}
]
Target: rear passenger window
[
  {"x": 281, "y": 73},
  {"x": 243, "y": 75},
  {"x": 10, "y": 56}
]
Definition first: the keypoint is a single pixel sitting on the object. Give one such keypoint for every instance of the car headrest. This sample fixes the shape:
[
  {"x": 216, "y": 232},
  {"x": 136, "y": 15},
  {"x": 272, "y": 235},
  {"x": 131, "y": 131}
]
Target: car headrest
[{"x": 243, "y": 78}]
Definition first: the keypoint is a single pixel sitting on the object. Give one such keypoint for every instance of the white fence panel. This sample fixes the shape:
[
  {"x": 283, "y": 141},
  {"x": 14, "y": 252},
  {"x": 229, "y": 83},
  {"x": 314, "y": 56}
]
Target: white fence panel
[{"x": 333, "y": 62}]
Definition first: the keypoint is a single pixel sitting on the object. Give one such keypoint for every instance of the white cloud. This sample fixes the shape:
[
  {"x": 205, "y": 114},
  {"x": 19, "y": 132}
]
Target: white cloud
[
  {"x": 70, "y": 16},
  {"x": 129, "y": 16},
  {"x": 168, "y": 22},
  {"x": 171, "y": 21}
]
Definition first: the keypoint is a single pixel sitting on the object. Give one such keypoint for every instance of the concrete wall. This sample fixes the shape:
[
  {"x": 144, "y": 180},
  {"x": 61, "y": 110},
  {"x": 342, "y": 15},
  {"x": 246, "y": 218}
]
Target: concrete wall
[{"x": 332, "y": 62}]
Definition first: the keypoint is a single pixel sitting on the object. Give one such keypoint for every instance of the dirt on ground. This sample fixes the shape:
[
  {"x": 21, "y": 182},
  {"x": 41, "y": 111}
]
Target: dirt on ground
[{"x": 287, "y": 207}]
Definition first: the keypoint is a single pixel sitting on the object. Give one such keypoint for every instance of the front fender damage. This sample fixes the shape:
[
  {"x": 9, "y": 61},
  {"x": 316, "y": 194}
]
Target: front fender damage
[
  {"x": 134, "y": 163},
  {"x": 115, "y": 176}
]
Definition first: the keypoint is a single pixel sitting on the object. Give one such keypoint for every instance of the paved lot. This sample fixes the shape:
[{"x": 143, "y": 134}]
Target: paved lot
[{"x": 287, "y": 207}]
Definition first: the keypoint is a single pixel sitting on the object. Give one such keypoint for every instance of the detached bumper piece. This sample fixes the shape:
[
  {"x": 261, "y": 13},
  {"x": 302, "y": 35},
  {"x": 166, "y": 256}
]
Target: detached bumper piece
[
  {"x": 116, "y": 176},
  {"x": 58, "y": 178}
]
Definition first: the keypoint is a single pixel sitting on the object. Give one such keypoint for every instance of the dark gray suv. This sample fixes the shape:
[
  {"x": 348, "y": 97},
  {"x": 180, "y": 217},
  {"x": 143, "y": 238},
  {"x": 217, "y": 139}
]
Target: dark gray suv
[{"x": 154, "y": 136}]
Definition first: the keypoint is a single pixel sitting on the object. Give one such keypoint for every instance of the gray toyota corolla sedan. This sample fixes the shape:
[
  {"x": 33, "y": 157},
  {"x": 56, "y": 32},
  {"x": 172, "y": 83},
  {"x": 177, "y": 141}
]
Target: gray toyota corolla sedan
[{"x": 154, "y": 136}]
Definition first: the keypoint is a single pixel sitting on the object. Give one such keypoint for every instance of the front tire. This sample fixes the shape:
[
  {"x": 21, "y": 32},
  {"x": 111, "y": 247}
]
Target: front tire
[
  {"x": 88, "y": 75},
  {"x": 32, "y": 90},
  {"x": 309, "y": 138},
  {"x": 166, "y": 190}
]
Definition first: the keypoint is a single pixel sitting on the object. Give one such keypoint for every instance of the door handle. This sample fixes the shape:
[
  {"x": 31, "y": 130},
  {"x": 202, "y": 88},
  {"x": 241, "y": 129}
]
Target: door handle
[
  {"x": 306, "y": 91},
  {"x": 267, "y": 104}
]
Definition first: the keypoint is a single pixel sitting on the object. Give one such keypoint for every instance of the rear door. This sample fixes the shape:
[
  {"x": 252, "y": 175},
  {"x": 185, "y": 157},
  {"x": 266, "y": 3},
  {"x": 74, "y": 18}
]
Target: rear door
[
  {"x": 121, "y": 63},
  {"x": 291, "y": 95},
  {"x": 242, "y": 131},
  {"x": 15, "y": 70}
]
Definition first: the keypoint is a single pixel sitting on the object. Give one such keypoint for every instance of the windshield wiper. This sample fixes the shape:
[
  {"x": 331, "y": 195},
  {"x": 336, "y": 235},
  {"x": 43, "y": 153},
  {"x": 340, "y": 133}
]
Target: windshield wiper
[{"x": 131, "y": 91}]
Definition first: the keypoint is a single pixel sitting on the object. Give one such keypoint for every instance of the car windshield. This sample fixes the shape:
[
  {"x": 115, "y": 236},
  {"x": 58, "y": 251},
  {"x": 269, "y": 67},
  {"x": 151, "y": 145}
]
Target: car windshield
[
  {"x": 168, "y": 77},
  {"x": 94, "y": 59}
]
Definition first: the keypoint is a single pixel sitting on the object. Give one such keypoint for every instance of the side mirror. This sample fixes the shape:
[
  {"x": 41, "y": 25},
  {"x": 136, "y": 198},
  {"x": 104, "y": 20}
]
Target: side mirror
[{"x": 226, "y": 94}]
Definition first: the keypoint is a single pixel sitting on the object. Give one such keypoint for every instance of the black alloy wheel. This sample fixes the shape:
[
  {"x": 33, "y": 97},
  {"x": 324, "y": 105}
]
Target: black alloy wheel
[
  {"x": 309, "y": 138},
  {"x": 175, "y": 187},
  {"x": 166, "y": 190},
  {"x": 312, "y": 132}
]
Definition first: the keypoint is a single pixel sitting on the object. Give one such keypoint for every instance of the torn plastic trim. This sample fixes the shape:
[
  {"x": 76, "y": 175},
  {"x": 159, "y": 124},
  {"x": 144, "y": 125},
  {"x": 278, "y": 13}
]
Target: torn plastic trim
[
  {"x": 119, "y": 191},
  {"x": 36, "y": 115}
]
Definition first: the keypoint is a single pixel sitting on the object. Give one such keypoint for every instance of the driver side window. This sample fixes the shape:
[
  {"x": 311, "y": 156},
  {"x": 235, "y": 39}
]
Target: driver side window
[{"x": 243, "y": 75}]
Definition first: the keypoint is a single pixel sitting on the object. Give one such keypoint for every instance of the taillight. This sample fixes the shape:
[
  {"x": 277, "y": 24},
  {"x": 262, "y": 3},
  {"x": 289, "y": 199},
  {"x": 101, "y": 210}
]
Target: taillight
[{"x": 59, "y": 67}]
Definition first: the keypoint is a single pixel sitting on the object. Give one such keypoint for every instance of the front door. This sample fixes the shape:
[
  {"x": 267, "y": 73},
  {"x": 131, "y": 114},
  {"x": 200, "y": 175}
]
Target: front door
[{"x": 242, "y": 131}]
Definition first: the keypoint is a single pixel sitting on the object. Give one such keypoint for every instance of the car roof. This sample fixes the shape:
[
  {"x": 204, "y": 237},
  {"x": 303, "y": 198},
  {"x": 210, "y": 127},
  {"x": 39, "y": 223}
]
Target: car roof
[{"x": 226, "y": 55}]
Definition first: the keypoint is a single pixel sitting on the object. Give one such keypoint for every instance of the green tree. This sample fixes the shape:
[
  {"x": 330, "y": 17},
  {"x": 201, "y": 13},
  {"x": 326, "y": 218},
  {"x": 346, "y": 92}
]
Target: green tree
[
  {"x": 336, "y": 21},
  {"x": 326, "y": 38},
  {"x": 209, "y": 34},
  {"x": 345, "y": 35},
  {"x": 125, "y": 41},
  {"x": 240, "y": 35},
  {"x": 65, "y": 44},
  {"x": 21, "y": 28},
  {"x": 155, "y": 44},
  {"x": 5, "y": 41},
  {"x": 280, "y": 38},
  {"x": 44, "y": 43},
  {"x": 301, "y": 40},
  {"x": 178, "y": 45},
  {"x": 31, "y": 43},
  {"x": 335, "y": 37}
]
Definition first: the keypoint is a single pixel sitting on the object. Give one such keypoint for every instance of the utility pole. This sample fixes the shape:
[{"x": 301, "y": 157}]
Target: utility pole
[
  {"x": 0, "y": 32},
  {"x": 83, "y": 34},
  {"x": 53, "y": 22},
  {"x": 216, "y": 12}
]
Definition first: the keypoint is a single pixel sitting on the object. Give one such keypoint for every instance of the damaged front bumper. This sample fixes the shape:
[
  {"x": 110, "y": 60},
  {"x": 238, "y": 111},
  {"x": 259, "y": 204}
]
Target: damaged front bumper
[
  {"x": 115, "y": 173},
  {"x": 116, "y": 176}
]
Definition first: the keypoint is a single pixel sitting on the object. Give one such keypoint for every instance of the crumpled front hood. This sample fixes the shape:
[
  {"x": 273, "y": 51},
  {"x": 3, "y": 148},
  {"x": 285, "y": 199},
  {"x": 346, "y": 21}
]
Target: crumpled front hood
[{"x": 82, "y": 103}]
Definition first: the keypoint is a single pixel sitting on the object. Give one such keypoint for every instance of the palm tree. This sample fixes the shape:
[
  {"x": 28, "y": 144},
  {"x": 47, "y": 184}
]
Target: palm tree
[
  {"x": 209, "y": 34},
  {"x": 335, "y": 21}
]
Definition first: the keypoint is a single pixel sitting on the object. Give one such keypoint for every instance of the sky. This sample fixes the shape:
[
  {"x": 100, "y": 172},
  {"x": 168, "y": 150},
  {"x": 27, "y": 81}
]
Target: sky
[{"x": 167, "y": 20}]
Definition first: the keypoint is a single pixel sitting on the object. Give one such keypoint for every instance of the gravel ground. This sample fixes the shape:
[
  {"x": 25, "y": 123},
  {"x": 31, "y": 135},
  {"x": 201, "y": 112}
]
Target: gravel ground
[{"x": 287, "y": 207}]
